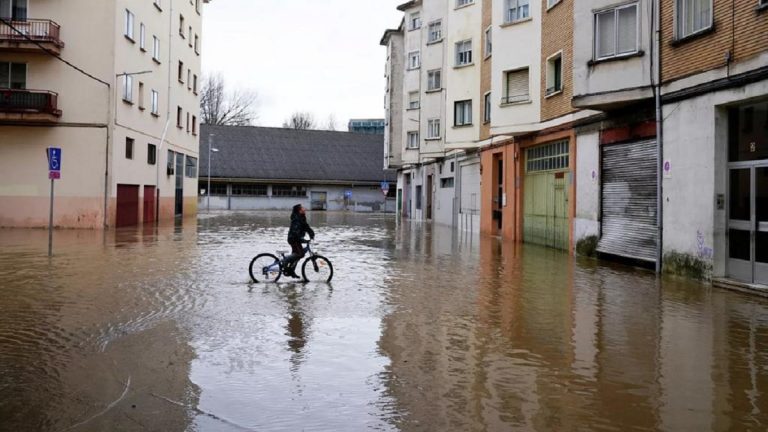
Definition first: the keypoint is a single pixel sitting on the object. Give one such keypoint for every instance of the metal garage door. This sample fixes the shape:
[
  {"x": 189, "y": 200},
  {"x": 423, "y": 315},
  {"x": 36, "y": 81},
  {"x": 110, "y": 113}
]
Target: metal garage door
[
  {"x": 629, "y": 200},
  {"x": 545, "y": 201},
  {"x": 470, "y": 188}
]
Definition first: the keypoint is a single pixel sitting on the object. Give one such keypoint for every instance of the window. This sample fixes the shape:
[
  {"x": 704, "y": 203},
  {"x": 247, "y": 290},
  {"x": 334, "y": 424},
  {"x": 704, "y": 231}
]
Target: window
[
  {"x": 435, "y": 31},
  {"x": 158, "y": 5},
  {"x": 197, "y": 6},
  {"x": 129, "y": 24},
  {"x": 197, "y": 45},
  {"x": 488, "y": 41},
  {"x": 460, "y": 3},
  {"x": 446, "y": 182},
  {"x": 151, "y": 154},
  {"x": 433, "y": 128},
  {"x": 548, "y": 157},
  {"x": 155, "y": 102},
  {"x": 418, "y": 197},
  {"x": 415, "y": 21},
  {"x": 16, "y": 10},
  {"x": 516, "y": 86},
  {"x": 190, "y": 168},
  {"x": 289, "y": 191},
  {"x": 554, "y": 74},
  {"x": 551, "y": 3},
  {"x": 13, "y": 75},
  {"x": 434, "y": 79},
  {"x": 219, "y": 189},
  {"x": 181, "y": 71},
  {"x": 179, "y": 115},
  {"x": 414, "y": 60},
  {"x": 413, "y": 140},
  {"x": 516, "y": 10},
  {"x": 189, "y": 79},
  {"x": 616, "y": 31},
  {"x": 487, "y": 108},
  {"x": 189, "y": 124},
  {"x": 462, "y": 113},
  {"x": 190, "y": 36},
  {"x": 156, "y": 49},
  {"x": 127, "y": 88},
  {"x": 129, "y": 148},
  {"x": 194, "y": 125},
  {"x": 142, "y": 37},
  {"x": 249, "y": 190},
  {"x": 413, "y": 100},
  {"x": 693, "y": 16},
  {"x": 169, "y": 164},
  {"x": 141, "y": 95},
  {"x": 464, "y": 53},
  {"x": 181, "y": 26},
  {"x": 194, "y": 84}
]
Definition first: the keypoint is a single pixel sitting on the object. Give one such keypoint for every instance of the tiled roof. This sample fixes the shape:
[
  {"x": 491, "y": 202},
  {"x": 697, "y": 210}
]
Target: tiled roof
[{"x": 287, "y": 154}]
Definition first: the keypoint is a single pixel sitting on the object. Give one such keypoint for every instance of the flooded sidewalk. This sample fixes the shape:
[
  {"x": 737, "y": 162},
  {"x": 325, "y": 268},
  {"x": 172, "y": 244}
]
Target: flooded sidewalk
[{"x": 422, "y": 329}]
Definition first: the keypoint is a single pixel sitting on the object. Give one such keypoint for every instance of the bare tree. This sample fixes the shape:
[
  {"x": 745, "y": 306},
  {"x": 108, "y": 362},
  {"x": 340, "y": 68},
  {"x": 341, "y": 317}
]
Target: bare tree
[
  {"x": 331, "y": 123},
  {"x": 220, "y": 106},
  {"x": 300, "y": 120}
]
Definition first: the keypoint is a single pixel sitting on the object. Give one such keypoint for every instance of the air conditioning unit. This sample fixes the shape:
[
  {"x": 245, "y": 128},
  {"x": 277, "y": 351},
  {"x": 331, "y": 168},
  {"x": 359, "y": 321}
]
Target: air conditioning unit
[{"x": 169, "y": 170}]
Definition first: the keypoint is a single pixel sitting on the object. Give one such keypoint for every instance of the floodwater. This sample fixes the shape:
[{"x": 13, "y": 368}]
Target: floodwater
[{"x": 420, "y": 330}]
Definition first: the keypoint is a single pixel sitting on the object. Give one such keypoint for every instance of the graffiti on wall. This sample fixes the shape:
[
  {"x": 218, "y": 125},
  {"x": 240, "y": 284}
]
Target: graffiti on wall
[{"x": 703, "y": 250}]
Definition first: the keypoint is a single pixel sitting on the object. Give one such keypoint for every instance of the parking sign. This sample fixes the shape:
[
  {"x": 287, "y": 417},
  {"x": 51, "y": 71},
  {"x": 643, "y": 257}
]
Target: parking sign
[{"x": 54, "y": 162}]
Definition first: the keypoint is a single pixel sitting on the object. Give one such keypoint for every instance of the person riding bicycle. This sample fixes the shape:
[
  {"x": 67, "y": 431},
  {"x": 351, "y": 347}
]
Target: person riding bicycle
[{"x": 299, "y": 228}]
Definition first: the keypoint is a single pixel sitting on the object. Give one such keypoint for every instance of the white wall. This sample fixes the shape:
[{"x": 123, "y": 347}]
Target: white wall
[
  {"x": 411, "y": 83},
  {"x": 517, "y": 46},
  {"x": 614, "y": 75},
  {"x": 434, "y": 56},
  {"x": 393, "y": 102},
  {"x": 586, "y": 223},
  {"x": 696, "y": 143},
  {"x": 364, "y": 199}
]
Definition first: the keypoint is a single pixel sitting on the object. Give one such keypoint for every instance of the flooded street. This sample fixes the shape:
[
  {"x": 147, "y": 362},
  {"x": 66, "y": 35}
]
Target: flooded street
[{"x": 422, "y": 329}]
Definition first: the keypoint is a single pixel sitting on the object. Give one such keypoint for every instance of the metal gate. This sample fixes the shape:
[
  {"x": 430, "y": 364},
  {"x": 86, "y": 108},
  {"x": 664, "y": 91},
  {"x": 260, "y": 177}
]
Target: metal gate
[
  {"x": 545, "y": 211},
  {"x": 127, "y": 205},
  {"x": 629, "y": 200}
]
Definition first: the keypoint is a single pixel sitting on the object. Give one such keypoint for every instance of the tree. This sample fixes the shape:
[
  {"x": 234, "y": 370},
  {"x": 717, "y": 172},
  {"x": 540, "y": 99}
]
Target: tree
[
  {"x": 331, "y": 123},
  {"x": 300, "y": 120},
  {"x": 219, "y": 106}
]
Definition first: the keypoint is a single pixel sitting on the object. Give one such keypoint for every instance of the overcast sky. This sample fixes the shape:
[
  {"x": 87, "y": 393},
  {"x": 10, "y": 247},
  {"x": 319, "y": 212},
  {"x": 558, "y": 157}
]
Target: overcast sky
[{"x": 302, "y": 55}]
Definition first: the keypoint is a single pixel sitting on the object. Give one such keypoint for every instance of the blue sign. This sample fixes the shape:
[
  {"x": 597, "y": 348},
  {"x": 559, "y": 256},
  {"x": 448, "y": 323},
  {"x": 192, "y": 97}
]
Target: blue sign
[
  {"x": 54, "y": 159},
  {"x": 347, "y": 194}
]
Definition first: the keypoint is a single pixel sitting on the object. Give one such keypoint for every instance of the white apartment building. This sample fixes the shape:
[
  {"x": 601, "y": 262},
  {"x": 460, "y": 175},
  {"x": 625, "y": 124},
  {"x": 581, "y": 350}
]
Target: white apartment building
[
  {"x": 439, "y": 73},
  {"x": 121, "y": 101}
]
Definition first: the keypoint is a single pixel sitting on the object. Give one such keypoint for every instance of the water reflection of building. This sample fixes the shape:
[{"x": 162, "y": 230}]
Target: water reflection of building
[{"x": 525, "y": 338}]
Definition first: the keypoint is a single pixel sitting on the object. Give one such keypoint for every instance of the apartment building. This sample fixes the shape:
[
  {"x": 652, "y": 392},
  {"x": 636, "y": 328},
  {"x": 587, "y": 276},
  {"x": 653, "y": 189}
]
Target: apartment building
[
  {"x": 114, "y": 84},
  {"x": 714, "y": 59}
]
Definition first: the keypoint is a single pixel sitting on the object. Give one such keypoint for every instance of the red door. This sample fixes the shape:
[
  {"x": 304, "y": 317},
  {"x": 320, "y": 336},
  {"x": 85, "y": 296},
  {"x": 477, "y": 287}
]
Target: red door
[
  {"x": 149, "y": 204},
  {"x": 127, "y": 205}
]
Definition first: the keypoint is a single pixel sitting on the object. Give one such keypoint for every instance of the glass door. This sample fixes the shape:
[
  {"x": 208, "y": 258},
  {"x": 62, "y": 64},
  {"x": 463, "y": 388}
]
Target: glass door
[
  {"x": 761, "y": 224},
  {"x": 740, "y": 224}
]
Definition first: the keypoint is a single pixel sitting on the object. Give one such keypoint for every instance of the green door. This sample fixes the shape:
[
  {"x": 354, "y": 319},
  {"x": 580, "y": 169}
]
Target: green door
[{"x": 545, "y": 204}]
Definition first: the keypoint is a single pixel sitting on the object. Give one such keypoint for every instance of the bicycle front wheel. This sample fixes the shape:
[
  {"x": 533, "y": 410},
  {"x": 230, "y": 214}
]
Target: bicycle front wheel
[
  {"x": 317, "y": 269},
  {"x": 265, "y": 268}
]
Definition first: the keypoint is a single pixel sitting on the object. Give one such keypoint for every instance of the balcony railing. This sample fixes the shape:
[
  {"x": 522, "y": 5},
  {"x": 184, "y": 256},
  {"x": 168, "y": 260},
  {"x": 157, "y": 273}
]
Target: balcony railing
[
  {"x": 29, "y": 101},
  {"x": 34, "y": 30}
]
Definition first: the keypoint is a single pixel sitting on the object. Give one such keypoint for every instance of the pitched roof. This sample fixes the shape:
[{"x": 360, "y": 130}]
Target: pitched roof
[{"x": 287, "y": 154}]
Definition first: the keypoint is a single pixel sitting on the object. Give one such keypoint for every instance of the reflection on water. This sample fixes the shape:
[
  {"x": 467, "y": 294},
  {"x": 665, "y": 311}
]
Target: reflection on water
[{"x": 423, "y": 329}]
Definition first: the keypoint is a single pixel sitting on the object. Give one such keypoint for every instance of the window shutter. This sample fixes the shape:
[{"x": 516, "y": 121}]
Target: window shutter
[
  {"x": 606, "y": 34},
  {"x": 627, "y": 18},
  {"x": 517, "y": 86}
]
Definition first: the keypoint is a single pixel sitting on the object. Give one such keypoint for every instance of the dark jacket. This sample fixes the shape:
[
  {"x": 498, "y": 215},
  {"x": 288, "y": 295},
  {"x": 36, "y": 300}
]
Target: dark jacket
[{"x": 299, "y": 227}]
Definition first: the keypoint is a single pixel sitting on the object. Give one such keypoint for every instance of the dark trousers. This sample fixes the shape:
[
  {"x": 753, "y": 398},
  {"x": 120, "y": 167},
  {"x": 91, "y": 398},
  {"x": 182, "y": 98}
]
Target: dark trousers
[{"x": 297, "y": 253}]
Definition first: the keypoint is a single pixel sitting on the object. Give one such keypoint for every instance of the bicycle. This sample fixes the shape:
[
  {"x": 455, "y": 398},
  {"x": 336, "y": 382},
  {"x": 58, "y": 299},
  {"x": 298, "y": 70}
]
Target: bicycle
[{"x": 267, "y": 267}]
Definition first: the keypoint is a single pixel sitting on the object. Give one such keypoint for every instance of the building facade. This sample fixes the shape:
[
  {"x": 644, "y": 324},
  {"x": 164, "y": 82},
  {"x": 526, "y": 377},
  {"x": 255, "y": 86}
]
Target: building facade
[
  {"x": 366, "y": 126},
  {"x": 260, "y": 168},
  {"x": 123, "y": 106},
  {"x": 630, "y": 129}
]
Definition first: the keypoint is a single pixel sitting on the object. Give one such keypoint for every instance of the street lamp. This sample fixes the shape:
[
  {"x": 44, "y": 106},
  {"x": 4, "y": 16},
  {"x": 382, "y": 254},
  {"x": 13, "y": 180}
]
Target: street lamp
[{"x": 208, "y": 191}]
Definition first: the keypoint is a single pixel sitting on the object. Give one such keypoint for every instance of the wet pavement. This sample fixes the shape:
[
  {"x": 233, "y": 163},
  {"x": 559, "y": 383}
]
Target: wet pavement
[{"x": 422, "y": 329}]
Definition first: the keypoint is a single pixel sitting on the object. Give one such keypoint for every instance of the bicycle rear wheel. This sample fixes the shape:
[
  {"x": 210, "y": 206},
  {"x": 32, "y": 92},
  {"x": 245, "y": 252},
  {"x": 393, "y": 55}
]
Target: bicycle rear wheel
[
  {"x": 265, "y": 268},
  {"x": 317, "y": 269}
]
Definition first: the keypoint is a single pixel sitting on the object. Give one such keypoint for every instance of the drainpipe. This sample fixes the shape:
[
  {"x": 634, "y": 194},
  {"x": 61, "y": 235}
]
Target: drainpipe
[
  {"x": 106, "y": 156},
  {"x": 659, "y": 137}
]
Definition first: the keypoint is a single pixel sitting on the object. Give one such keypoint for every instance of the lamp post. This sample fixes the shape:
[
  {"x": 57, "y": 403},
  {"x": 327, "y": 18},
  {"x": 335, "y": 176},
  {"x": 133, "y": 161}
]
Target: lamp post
[{"x": 208, "y": 190}]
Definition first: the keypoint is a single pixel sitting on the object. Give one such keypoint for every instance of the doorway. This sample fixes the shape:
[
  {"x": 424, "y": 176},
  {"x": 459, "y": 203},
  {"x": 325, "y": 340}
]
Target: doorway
[
  {"x": 429, "y": 196},
  {"x": 748, "y": 193},
  {"x": 319, "y": 200},
  {"x": 127, "y": 205},
  {"x": 149, "y": 204},
  {"x": 179, "y": 207}
]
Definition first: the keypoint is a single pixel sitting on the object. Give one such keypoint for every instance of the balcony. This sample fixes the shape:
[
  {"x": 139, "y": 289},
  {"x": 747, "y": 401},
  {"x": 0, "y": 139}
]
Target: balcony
[
  {"x": 36, "y": 34},
  {"x": 28, "y": 106}
]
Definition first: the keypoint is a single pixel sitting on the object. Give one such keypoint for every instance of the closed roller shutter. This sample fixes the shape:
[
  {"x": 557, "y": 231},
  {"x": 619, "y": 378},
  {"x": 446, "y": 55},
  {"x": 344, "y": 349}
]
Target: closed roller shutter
[
  {"x": 470, "y": 184},
  {"x": 629, "y": 200}
]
